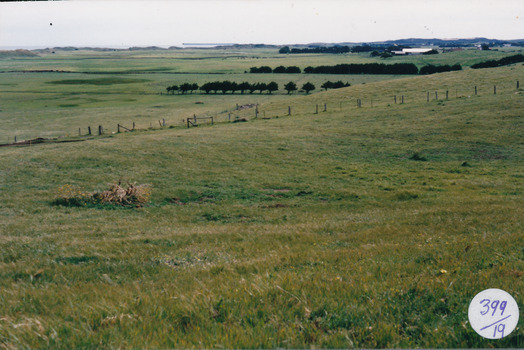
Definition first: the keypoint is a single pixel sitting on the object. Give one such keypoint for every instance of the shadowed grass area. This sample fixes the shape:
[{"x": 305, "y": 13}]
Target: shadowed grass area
[
  {"x": 98, "y": 81},
  {"x": 368, "y": 227}
]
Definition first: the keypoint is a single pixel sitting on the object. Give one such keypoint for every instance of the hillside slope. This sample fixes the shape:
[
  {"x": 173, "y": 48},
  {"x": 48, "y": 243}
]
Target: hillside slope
[{"x": 356, "y": 227}]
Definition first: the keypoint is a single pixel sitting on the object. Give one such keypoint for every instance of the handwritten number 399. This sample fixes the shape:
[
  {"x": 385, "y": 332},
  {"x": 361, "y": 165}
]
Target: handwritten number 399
[{"x": 487, "y": 304}]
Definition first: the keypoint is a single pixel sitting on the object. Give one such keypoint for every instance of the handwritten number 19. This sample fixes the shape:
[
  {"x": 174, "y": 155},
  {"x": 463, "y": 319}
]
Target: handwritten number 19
[{"x": 494, "y": 305}]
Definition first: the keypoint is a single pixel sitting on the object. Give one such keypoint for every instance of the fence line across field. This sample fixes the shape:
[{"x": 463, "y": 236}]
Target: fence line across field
[{"x": 242, "y": 113}]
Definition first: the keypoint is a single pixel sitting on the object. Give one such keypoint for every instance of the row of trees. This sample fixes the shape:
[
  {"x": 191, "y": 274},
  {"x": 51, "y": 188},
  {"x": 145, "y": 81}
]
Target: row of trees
[
  {"x": 372, "y": 68},
  {"x": 228, "y": 86},
  {"x": 326, "y": 49},
  {"x": 501, "y": 62},
  {"x": 431, "y": 69},
  {"x": 279, "y": 69},
  {"x": 364, "y": 68}
]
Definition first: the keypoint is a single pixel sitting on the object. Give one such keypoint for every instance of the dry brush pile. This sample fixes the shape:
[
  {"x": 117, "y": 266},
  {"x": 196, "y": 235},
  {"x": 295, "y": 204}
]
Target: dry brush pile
[{"x": 117, "y": 195}]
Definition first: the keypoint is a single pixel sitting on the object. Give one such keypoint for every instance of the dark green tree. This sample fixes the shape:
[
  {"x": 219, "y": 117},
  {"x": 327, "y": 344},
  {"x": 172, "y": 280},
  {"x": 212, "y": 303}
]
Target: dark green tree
[
  {"x": 272, "y": 86},
  {"x": 243, "y": 87},
  {"x": 307, "y": 87},
  {"x": 290, "y": 87},
  {"x": 327, "y": 85},
  {"x": 293, "y": 70},
  {"x": 185, "y": 88}
]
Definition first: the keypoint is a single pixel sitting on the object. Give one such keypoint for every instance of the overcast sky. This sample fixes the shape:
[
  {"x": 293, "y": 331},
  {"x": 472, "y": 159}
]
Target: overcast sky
[{"x": 167, "y": 23}]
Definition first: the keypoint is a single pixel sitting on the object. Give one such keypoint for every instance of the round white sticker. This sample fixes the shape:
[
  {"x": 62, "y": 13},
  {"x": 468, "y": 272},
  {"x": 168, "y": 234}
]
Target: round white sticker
[{"x": 493, "y": 313}]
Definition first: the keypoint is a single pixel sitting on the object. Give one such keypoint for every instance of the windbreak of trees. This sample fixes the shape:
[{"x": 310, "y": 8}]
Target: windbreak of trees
[
  {"x": 498, "y": 63},
  {"x": 279, "y": 69},
  {"x": 327, "y": 49},
  {"x": 227, "y": 86},
  {"x": 334, "y": 85},
  {"x": 365, "y": 68},
  {"x": 431, "y": 69},
  {"x": 224, "y": 87}
]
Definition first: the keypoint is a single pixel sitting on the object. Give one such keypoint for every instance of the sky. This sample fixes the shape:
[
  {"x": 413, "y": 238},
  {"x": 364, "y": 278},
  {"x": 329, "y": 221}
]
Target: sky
[{"x": 107, "y": 23}]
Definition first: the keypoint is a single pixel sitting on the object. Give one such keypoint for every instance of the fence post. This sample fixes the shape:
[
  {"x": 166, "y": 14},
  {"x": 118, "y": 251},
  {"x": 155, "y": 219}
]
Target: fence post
[
  {"x": 118, "y": 128},
  {"x": 288, "y": 110},
  {"x": 325, "y": 107},
  {"x": 395, "y": 99},
  {"x": 446, "y": 94},
  {"x": 427, "y": 97},
  {"x": 402, "y": 99},
  {"x": 159, "y": 123},
  {"x": 79, "y": 132},
  {"x": 212, "y": 121},
  {"x": 229, "y": 117},
  {"x": 100, "y": 130},
  {"x": 436, "y": 95},
  {"x": 163, "y": 122},
  {"x": 494, "y": 89},
  {"x": 517, "y": 84},
  {"x": 89, "y": 130},
  {"x": 15, "y": 138},
  {"x": 316, "y": 110},
  {"x": 133, "y": 125}
]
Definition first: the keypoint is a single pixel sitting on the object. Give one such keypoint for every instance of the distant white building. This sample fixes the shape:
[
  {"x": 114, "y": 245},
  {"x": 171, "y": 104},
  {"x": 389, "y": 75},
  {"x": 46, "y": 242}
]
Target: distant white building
[{"x": 415, "y": 51}]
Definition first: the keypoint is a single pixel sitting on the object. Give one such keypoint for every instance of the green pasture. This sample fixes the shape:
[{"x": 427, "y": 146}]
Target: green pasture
[{"x": 369, "y": 227}]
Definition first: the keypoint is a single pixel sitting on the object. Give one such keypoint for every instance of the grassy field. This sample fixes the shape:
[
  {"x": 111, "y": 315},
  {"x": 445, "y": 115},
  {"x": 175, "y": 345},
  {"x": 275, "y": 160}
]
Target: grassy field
[{"x": 356, "y": 227}]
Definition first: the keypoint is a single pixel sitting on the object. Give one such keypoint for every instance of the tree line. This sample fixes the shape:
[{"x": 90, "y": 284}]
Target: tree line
[
  {"x": 364, "y": 68},
  {"x": 337, "y": 49},
  {"x": 501, "y": 62},
  {"x": 279, "y": 69},
  {"x": 228, "y": 86},
  {"x": 232, "y": 87},
  {"x": 431, "y": 69}
]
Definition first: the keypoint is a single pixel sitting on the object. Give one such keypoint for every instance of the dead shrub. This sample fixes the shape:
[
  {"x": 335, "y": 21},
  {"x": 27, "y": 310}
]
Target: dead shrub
[{"x": 117, "y": 195}]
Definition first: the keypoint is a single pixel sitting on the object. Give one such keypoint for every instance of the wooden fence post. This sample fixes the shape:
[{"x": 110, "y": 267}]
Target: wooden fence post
[
  {"x": 133, "y": 125},
  {"x": 446, "y": 94},
  {"x": 229, "y": 117},
  {"x": 15, "y": 138},
  {"x": 427, "y": 97},
  {"x": 118, "y": 128},
  {"x": 163, "y": 122},
  {"x": 288, "y": 110},
  {"x": 100, "y": 130},
  {"x": 402, "y": 99},
  {"x": 517, "y": 84},
  {"x": 89, "y": 130},
  {"x": 395, "y": 99},
  {"x": 436, "y": 95},
  {"x": 494, "y": 89},
  {"x": 325, "y": 107},
  {"x": 316, "y": 110}
]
